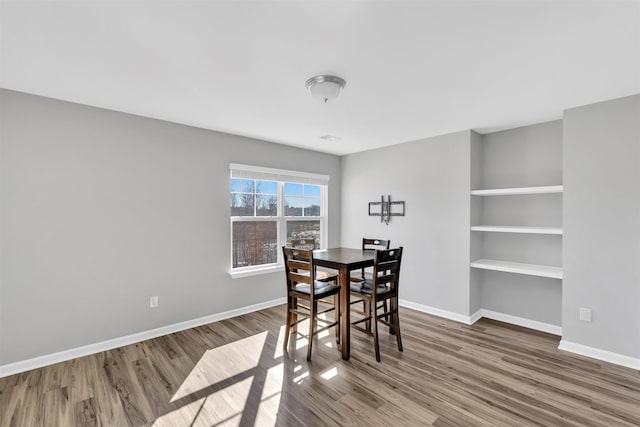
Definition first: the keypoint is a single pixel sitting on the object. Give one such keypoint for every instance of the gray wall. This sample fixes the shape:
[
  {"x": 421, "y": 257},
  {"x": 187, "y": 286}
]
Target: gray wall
[
  {"x": 527, "y": 156},
  {"x": 521, "y": 157},
  {"x": 432, "y": 177},
  {"x": 602, "y": 225},
  {"x": 100, "y": 210}
]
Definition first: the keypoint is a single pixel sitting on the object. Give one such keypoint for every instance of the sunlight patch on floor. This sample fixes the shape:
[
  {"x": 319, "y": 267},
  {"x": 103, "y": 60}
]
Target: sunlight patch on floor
[
  {"x": 300, "y": 378},
  {"x": 270, "y": 399},
  {"x": 325, "y": 333},
  {"x": 223, "y": 407},
  {"x": 183, "y": 416},
  {"x": 222, "y": 363},
  {"x": 268, "y": 411},
  {"x": 329, "y": 373},
  {"x": 278, "y": 350}
]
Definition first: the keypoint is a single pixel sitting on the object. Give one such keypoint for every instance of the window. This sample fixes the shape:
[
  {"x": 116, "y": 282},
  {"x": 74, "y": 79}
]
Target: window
[{"x": 269, "y": 207}]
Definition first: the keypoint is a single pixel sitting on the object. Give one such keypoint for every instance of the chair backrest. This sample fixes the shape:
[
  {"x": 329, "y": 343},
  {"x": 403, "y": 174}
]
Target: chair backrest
[
  {"x": 299, "y": 267},
  {"x": 304, "y": 243},
  {"x": 386, "y": 270},
  {"x": 375, "y": 244}
]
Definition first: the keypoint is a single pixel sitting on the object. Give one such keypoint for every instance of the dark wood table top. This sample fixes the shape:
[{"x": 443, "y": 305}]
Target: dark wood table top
[{"x": 340, "y": 257}]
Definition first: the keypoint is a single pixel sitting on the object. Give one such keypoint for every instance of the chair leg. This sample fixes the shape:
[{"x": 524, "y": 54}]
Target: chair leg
[
  {"x": 390, "y": 317},
  {"x": 396, "y": 321},
  {"x": 313, "y": 306},
  {"x": 367, "y": 314},
  {"x": 294, "y": 316},
  {"x": 375, "y": 329},
  {"x": 288, "y": 326}
]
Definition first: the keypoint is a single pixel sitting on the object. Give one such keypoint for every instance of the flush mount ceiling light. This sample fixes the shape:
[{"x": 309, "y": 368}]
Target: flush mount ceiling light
[
  {"x": 331, "y": 138},
  {"x": 325, "y": 88}
]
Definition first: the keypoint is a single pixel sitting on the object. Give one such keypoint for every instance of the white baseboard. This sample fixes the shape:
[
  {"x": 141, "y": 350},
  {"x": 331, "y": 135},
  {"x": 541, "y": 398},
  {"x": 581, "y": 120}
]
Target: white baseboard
[
  {"x": 520, "y": 321},
  {"x": 436, "y": 312},
  {"x": 470, "y": 320},
  {"x": 475, "y": 317},
  {"x": 596, "y": 353},
  {"x": 50, "y": 359}
]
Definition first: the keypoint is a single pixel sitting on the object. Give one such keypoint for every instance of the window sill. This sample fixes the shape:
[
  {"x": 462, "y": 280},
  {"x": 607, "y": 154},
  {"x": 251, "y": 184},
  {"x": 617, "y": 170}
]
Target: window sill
[{"x": 256, "y": 271}]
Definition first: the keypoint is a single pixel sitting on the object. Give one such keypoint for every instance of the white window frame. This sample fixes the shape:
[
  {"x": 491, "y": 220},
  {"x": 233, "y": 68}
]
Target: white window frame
[{"x": 280, "y": 176}]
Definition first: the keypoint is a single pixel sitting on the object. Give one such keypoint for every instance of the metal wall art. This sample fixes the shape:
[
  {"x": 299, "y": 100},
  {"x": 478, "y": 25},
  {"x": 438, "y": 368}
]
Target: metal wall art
[{"x": 385, "y": 209}]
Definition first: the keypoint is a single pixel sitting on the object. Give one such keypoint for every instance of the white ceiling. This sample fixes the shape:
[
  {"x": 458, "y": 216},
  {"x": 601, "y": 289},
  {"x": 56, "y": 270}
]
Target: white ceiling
[{"x": 413, "y": 69}]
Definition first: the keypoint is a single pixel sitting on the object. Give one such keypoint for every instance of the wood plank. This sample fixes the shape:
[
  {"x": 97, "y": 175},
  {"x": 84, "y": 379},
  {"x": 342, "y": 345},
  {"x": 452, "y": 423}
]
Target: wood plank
[{"x": 85, "y": 413}]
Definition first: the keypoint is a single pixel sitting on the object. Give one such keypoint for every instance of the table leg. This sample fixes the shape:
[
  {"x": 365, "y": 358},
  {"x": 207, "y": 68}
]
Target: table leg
[{"x": 345, "y": 292}]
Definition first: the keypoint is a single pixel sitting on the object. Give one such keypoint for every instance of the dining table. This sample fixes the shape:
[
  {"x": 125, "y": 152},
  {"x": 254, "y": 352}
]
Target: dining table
[{"x": 344, "y": 260}]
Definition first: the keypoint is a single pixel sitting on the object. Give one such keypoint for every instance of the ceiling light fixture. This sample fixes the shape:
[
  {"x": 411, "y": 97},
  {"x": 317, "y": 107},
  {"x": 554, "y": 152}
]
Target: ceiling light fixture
[
  {"x": 325, "y": 88},
  {"x": 331, "y": 138}
]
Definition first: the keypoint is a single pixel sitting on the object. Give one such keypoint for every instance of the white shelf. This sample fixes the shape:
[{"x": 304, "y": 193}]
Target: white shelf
[
  {"x": 520, "y": 268},
  {"x": 520, "y": 190},
  {"x": 517, "y": 229}
]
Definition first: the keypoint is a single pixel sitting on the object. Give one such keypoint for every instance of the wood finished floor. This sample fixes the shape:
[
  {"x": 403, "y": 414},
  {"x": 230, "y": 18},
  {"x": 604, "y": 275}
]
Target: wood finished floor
[{"x": 233, "y": 372}]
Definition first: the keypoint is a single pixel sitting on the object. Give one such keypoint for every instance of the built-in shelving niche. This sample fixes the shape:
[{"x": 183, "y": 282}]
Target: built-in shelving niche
[{"x": 516, "y": 223}]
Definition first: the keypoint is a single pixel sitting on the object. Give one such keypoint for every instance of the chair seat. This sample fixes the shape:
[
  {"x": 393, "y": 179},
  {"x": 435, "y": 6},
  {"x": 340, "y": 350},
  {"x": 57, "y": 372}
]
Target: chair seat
[
  {"x": 319, "y": 288},
  {"x": 366, "y": 287}
]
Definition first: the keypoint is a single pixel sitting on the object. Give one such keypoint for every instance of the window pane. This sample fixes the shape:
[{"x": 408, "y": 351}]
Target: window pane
[
  {"x": 303, "y": 230},
  {"x": 293, "y": 206},
  {"x": 311, "y": 190},
  {"x": 236, "y": 185},
  {"x": 266, "y": 187},
  {"x": 241, "y": 204},
  {"x": 311, "y": 206},
  {"x": 247, "y": 185},
  {"x": 254, "y": 243},
  {"x": 266, "y": 205},
  {"x": 260, "y": 211},
  {"x": 292, "y": 189}
]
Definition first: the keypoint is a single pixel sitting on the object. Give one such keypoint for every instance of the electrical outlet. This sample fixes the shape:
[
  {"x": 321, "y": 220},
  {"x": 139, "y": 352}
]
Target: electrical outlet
[
  {"x": 585, "y": 314},
  {"x": 153, "y": 301}
]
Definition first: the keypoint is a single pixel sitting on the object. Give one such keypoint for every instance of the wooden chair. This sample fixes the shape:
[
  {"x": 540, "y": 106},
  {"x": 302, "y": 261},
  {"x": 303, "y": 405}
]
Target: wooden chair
[
  {"x": 370, "y": 245},
  {"x": 382, "y": 287},
  {"x": 299, "y": 270},
  {"x": 366, "y": 273},
  {"x": 310, "y": 243}
]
